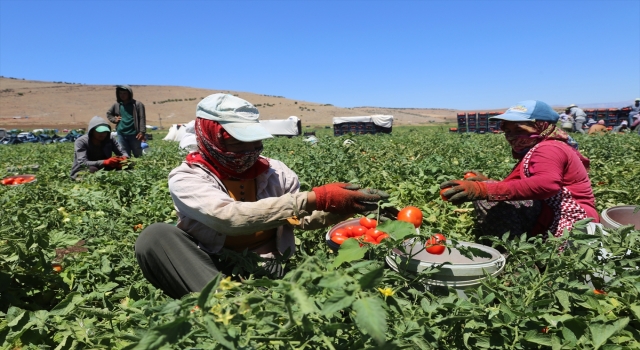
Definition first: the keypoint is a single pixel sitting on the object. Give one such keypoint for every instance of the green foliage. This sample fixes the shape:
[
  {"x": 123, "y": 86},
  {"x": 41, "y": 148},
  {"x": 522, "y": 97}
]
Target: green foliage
[{"x": 348, "y": 300}]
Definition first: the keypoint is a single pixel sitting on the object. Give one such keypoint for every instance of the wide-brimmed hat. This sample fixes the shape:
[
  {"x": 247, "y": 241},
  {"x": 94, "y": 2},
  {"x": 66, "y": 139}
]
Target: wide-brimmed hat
[
  {"x": 529, "y": 111},
  {"x": 237, "y": 116}
]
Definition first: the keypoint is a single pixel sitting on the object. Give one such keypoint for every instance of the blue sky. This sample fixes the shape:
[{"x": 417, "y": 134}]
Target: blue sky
[{"x": 434, "y": 54}]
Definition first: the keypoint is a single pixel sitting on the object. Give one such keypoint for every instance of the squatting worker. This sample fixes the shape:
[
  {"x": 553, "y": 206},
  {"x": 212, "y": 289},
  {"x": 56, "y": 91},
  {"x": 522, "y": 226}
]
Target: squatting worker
[
  {"x": 579, "y": 117},
  {"x": 548, "y": 189},
  {"x": 229, "y": 197},
  {"x": 95, "y": 149},
  {"x": 130, "y": 119}
]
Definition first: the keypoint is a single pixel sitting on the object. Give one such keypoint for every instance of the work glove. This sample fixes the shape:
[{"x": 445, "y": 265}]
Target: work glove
[
  {"x": 112, "y": 162},
  {"x": 347, "y": 198},
  {"x": 478, "y": 176},
  {"x": 460, "y": 191}
]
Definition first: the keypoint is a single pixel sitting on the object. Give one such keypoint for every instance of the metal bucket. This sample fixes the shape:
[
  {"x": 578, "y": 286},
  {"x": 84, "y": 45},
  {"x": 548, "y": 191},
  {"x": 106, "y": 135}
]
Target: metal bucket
[
  {"x": 620, "y": 216},
  {"x": 453, "y": 269}
]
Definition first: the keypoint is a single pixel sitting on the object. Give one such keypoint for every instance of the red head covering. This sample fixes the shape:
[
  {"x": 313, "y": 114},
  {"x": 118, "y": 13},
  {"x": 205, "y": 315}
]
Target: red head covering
[{"x": 212, "y": 154}]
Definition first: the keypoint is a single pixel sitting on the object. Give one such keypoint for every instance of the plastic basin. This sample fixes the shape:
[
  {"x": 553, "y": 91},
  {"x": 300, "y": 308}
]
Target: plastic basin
[
  {"x": 24, "y": 176},
  {"x": 620, "y": 216}
]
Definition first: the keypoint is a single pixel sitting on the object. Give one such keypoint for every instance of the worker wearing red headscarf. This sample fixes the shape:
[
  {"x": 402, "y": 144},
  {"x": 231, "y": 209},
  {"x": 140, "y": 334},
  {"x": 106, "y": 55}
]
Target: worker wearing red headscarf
[
  {"x": 229, "y": 197},
  {"x": 548, "y": 189}
]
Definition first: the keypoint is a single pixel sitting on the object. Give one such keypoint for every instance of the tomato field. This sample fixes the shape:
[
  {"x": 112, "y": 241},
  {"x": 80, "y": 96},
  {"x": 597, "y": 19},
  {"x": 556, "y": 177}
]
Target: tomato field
[{"x": 69, "y": 278}]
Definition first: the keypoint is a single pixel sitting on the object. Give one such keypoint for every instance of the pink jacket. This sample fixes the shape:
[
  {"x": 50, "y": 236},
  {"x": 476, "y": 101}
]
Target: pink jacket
[{"x": 553, "y": 165}]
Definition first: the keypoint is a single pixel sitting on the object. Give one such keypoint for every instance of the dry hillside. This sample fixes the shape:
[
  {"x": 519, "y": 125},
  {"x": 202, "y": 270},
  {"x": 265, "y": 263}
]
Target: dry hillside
[{"x": 40, "y": 104}]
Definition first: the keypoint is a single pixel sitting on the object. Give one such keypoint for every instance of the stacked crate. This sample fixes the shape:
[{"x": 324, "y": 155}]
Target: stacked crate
[
  {"x": 591, "y": 113},
  {"x": 483, "y": 122},
  {"x": 602, "y": 114},
  {"x": 612, "y": 117},
  {"x": 472, "y": 122},
  {"x": 462, "y": 122},
  {"x": 494, "y": 125},
  {"x": 624, "y": 113}
]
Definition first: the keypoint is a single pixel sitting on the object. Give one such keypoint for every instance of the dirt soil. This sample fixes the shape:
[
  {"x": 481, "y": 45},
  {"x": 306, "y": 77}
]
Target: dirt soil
[{"x": 28, "y": 104}]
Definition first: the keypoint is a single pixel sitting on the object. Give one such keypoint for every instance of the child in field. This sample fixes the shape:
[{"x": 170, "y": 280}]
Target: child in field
[{"x": 230, "y": 198}]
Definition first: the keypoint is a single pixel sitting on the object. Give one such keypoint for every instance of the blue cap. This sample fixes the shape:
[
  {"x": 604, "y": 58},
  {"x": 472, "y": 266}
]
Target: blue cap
[{"x": 529, "y": 111}]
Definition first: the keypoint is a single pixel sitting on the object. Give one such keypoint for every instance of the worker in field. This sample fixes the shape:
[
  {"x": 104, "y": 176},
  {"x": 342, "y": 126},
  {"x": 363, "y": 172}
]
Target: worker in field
[
  {"x": 622, "y": 127},
  {"x": 635, "y": 111},
  {"x": 598, "y": 128},
  {"x": 130, "y": 119},
  {"x": 229, "y": 198},
  {"x": 95, "y": 150},
  {"x": 579, "y": 117},
  {"x": 548, "y": 189}
]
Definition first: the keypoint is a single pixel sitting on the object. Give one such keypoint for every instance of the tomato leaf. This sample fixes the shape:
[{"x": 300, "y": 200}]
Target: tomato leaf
[
  {"x": 339, "y": 300},
  {"x": 205, "y": 293},
  {"x": 371, "y": 317},
  {"x": 397, "y": 229},
  {"x": 371, "y": 278},
  {"x": 601, "y": 332},
  {"x": 534, "y": 336},
  {"x": 349, "y": 251}
]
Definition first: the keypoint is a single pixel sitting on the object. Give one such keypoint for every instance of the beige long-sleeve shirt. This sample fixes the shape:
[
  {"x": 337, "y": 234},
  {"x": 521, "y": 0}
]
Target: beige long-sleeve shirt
[{"x": 208, "y": 214}]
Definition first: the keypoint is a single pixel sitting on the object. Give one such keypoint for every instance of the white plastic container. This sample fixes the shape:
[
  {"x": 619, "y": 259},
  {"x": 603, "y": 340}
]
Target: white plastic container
[
  {"x": 454, "y": 269},
  {"x": 620, "y": 216}
]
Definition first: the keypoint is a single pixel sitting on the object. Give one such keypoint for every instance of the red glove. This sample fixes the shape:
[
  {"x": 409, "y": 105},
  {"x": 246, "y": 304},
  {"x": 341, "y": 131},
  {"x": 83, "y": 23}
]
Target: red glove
[
  {"x": 112, "y": 162},
  {"x": 345, "y": 198},
  {"x": 461, "y": 191}
]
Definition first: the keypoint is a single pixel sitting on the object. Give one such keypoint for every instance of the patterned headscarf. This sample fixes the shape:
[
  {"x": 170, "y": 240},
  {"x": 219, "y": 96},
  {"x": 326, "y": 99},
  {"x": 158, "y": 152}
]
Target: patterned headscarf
[{"x": 212, "y": 153}]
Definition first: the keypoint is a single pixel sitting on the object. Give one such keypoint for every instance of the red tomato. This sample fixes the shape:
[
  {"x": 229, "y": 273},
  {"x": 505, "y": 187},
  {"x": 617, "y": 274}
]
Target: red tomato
[
  {"x": 440, "y": 237},
  {"x": 57, "y": 268},
  {"x": 369, "y": 239},
  {"x": 368, "y": 223},
  {"x": 381, "y": 237},
  {"x": 412, "y": 215},
  {"x": 374, "y": 232},
  {"x": 468, "y": 175},
  {"x": 349, "y": 230},
  {"x": 442, "y": 191},
  {"x": 358, "y": 231},
  {"x": 436, "y": 249},
  {"x": 340, "y": 232},
  {"x": 339, "y": 239},
  {"x": 433, "y": 246}
]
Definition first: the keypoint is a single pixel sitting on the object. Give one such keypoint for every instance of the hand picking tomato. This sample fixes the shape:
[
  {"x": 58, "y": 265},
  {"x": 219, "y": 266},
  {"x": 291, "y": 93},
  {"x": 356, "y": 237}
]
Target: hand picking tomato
[
  {"x": 358, "y": 231},
  {"x": 412, "y": 215},
  {"x": 433, "y": 246},
  {"x": 368, "y": 223},
  {"x": 338, "y": 239}
]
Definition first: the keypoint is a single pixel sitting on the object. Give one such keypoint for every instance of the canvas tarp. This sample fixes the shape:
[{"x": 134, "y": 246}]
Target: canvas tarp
[
  {"x": 282, "y": 127},
  {"x": 385, "y": 121}
]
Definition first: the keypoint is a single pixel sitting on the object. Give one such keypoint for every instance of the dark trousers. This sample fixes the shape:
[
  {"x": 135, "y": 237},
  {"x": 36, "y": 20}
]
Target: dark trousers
[{"x": 171, "y": 260}]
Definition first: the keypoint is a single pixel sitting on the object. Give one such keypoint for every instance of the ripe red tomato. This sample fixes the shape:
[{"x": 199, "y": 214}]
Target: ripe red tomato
[
  {"x": 358, "y": 231},
  {"x": 412, "y": 215},
  {"x": 440, "y": 237},
  {"x": 468, "y": 175},
  {"x": 57, "y": 268},
  {"x": 374, "y": 232},
  {"x": 434, "y": 247},
  {"x": 442, "y": 191},
  {"x": 368, "y": 223},
  {"x": 339, "y": 239},
  {"x": 340, "y": 232},
  {"x": 369, "y": 239},
  {"x": 349, "y": 230},
  {"x": 382, "y": 237}
]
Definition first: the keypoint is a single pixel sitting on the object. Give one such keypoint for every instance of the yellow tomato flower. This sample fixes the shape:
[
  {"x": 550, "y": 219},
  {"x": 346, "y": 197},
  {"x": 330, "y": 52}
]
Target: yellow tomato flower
[
  {"x": 227, "y": 284},
  {"x": 387, "y": 292},
  {"x": 225, "y": 318}
]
